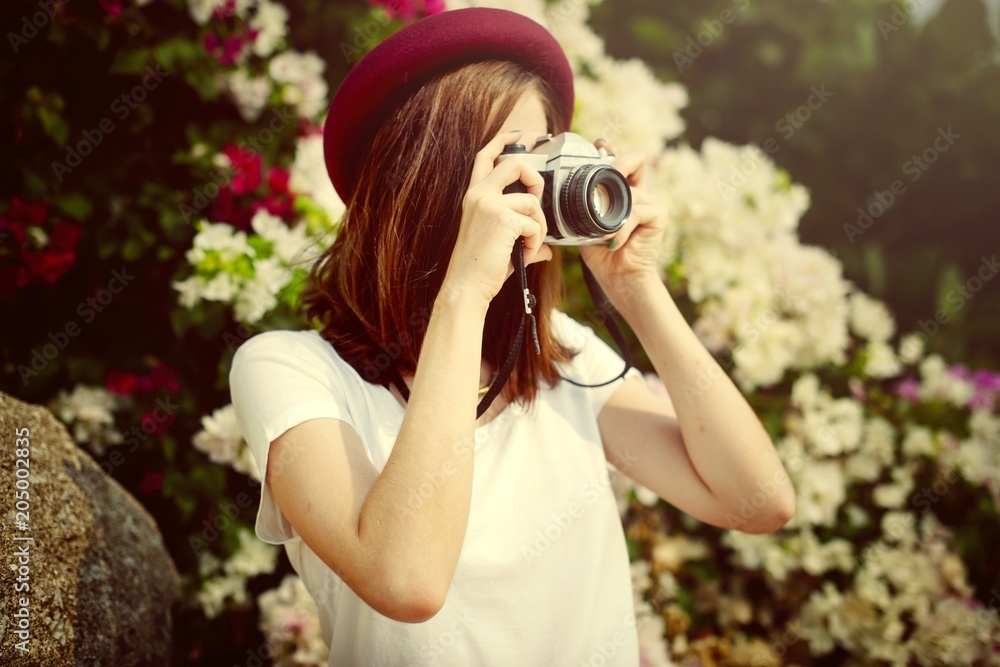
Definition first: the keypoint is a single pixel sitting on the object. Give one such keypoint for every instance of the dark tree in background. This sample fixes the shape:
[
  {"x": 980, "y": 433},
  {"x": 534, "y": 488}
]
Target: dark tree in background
[{"x": 894, "y": 85}]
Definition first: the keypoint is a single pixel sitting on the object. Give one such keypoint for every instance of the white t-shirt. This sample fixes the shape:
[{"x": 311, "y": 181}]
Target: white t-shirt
[{"x": 543, "y": 575}]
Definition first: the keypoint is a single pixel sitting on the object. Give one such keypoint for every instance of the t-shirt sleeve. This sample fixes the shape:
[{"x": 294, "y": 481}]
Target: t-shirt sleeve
[
  {"x": 595, "y": 362},
  {"x": 279, "y": 380}
]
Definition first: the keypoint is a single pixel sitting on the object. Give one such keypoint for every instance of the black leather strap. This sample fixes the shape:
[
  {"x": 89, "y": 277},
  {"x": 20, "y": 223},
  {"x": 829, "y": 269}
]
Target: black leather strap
[{"x": 600, "y": 300}]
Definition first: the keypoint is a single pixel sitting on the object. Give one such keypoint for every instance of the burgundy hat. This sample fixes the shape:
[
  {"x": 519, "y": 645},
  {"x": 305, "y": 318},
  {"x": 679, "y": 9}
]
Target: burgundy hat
[{"x": 396, "y": 67}]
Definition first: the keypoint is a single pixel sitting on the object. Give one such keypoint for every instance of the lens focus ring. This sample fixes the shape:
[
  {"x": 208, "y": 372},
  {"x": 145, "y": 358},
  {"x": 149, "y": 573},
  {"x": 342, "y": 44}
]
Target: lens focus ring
[{"x": 595, "y": 200}]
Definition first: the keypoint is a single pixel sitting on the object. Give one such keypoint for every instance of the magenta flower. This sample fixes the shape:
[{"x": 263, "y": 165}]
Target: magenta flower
[
  {"x": 247, "y": 169},
  {"x": 112, "y": 7},
  {"x": 986, "y": 386},
  {"x": 408, "y": 9},
  {"x": 909, "y": 390},
  {"x": 226, "y": 51}
]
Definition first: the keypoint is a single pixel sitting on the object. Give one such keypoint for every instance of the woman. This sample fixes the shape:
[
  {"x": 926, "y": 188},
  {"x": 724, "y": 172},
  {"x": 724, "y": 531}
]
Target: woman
[{"x": 426, "y": 535}]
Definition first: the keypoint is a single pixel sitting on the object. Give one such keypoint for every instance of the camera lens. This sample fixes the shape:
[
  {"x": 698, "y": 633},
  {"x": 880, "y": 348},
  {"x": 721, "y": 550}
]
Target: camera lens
[
  {"x": 601, "y": 199},
  {"x": 595, "y": 200}
]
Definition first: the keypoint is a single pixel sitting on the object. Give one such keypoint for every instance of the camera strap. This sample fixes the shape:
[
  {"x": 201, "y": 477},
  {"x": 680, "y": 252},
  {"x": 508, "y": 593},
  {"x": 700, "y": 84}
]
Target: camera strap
[{"x": 600, "y": 300}]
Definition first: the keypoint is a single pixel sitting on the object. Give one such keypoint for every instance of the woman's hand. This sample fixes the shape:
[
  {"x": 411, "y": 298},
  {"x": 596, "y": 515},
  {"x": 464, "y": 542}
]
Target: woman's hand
[
  {"x": 492, "y": 221},
  {"x": 633, "y": 254}
]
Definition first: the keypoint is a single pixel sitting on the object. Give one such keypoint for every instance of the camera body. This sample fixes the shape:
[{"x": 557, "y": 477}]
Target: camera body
[{"x": 585, "y": 198}]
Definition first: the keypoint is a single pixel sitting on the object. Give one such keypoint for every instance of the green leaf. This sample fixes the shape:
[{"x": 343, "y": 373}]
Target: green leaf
[
  {"x": 634, "y": 549},
  {"x": 948, "y": 285},
  {"x": 131, "y": 62},
  {"x": 74, "y": 205},
  {"x": 875, "y": 268},
  {"x": 54, "y": 125}
]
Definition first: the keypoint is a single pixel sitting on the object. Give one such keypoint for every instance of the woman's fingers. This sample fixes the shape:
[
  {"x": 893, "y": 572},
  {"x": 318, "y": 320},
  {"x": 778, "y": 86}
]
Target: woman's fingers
[
  {"x": 525, "y": 204},
  {"x": 631, "y": 165},
  {"x": 511, "y": 171},
  {"x": 487, "y": 156}
]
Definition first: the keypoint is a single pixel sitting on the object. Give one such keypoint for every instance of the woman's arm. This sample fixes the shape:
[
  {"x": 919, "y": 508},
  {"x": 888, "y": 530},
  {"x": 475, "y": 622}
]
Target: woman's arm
[
  {"x": 706, "y": 452},
  {"x": 394, "y": 537}
]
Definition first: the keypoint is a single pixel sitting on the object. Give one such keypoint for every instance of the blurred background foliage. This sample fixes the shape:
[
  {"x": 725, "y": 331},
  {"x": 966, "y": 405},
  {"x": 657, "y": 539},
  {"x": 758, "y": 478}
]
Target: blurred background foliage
[
  {"x": 892, "y": 90},
  {"x": 897, "y": 71}
]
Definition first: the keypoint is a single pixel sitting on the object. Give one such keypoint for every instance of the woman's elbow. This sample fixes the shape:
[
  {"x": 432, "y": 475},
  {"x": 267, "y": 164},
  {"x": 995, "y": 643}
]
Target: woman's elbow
[
  {"x": 774, "y": 517},
  {"x": 409, "y": 601}
]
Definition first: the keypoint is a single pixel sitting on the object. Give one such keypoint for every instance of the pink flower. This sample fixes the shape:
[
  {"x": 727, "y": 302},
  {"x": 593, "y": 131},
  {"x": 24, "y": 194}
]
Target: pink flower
[
  {"x": 44, "y": 264},
  {"x": 15, "y": 227},
  {"x": 227, "y": 51},
  {"x": 986, "y": 386},
  {"x": 112, "y": 7},
  {"x": 33, "y": 213},
  {"x": 65, "y": 236},
  {"x": 225, "y": 10},
  {"x": 247, "y": 167},
  {"x": 408, "y": 9},
  {"x": 163, "y": 376},
  {"x": 151, "y": 482},
  {"x": 908, "y": 389},
  {"x": 120, "y": 382},
  {"x": 277, "y": 179}
]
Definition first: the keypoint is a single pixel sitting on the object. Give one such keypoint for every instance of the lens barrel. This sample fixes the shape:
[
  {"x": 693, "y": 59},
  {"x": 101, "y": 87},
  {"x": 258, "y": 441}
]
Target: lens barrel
[{"x": 595, "y": 200}]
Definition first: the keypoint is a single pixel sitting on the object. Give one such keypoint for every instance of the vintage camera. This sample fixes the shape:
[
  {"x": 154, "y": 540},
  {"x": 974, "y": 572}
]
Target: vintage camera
[{"x": 585, "y": 198}]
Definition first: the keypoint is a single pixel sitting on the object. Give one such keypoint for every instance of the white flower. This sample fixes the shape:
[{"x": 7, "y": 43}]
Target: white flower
[
  {"x": 191, "y": 290},
  {"x": 818, "y": 558},
  {"x": 938, "y": 384},
  {"x": 222, "y": 287},
  {"x": 303, "y": 85},
  {"x": 985, "y": 425},
  {"x": 567, "y": 21},
  {"x": 952, "y": 633},
  {"x": 221, "y": 439},
  {"x": 248, "y": 93},
  {"x": 870, "y": 319},
  {"x": 308, "y": 176},
  {"x": 672, "y": 552},
  {"x": 221, "y": 237},
  {"x": 894, "y": 495},
  {"x": 881, "y": 361},
  {"x": 290, "y": 623},
  {"x": 533, "y": 9},
  {"x": 762, "y": 551},
  {"x": 911, "y": 348},
  {"x": 779, "y": 304},
  {"x": 289, "y": 243},
  {"x": 806, "y": 391},
  {"x": 217, "y": 591},
  {"x": 295, "y": 67},
  {"x": 201, "y": 10},
  {"x": 89, "y": 411},
  {"x": 252, "y": 558},
  {"x": 259, "y": 294},
  {"x": 919, "y": 441},
  {"x": 816, "y": 615},
  {"x": 271, "y": 23},
  {"x": 821, "y": 491},
  {"x": 875, "y": 453},
  {"x": 627, "y": 105},
  {"x": 978, "y": 460}
]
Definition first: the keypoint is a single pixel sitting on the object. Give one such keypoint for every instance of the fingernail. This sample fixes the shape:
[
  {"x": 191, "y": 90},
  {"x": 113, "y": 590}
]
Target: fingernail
[
  {"x": 513, "y": 131},
  {"x": 599, "y": 139},
  {"x": 613, "y": 244}
]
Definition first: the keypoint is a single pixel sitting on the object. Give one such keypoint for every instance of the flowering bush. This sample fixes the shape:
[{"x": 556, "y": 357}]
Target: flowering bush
[{"x": 895, "y": 454}]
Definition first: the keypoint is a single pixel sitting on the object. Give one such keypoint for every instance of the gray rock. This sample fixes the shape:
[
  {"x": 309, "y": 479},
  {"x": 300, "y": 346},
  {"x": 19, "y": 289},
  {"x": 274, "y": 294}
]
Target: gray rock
[{"x": 100, "y": 581}]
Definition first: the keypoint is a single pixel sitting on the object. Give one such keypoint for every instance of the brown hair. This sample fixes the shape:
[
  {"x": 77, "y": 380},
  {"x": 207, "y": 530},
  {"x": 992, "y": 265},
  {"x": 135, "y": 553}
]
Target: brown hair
[{"x": 372, "y": 291}]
